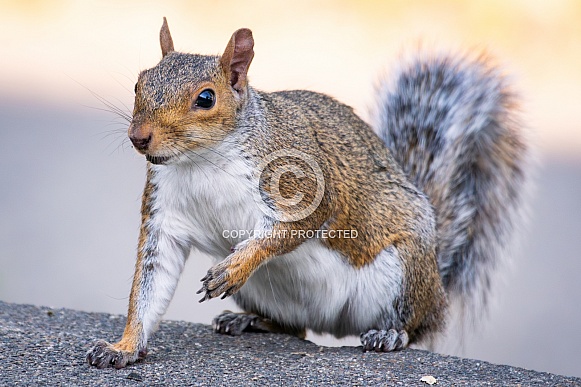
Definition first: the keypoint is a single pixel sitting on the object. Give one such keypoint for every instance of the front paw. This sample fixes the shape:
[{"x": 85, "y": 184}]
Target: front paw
[
  {"x": 104, "y": 355},
  {"x": 225, "y": 278}
]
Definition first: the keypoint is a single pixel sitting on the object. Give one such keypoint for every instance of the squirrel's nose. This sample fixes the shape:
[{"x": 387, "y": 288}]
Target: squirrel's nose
[
  {"x": 140, "y": 136},
  {"x": 140, "y": 143}
]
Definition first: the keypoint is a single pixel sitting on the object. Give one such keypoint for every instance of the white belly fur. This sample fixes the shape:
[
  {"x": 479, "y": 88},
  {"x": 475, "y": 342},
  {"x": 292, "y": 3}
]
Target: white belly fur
[{"x": 315, "y": 288}]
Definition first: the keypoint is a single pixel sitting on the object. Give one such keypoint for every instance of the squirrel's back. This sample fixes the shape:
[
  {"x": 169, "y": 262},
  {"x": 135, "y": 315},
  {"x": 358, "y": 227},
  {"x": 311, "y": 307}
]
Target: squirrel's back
[{"x": 450, "y": 124}]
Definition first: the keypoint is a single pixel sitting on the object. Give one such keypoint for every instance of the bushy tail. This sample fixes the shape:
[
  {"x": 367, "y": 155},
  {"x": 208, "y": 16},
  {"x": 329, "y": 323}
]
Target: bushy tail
[{"x": 450, "y": 123}]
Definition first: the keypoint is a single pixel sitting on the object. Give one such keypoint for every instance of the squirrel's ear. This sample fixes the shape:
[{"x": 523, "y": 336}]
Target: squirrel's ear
[
  {"x": 237, "y": 57},
  {"x": 165, "y": 39}
]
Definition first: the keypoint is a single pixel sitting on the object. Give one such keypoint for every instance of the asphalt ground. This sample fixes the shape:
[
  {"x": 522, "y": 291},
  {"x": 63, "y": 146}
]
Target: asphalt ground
[{"x": 42, "y": 346}]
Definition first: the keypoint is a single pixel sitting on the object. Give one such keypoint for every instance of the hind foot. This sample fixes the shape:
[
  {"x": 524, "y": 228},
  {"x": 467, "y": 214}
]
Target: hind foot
[
  {"x": 230, "y": 323},
  {"x": 384, "y": 340}
]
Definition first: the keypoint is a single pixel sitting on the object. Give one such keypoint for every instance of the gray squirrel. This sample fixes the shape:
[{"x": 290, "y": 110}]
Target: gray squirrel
[{"x": 314, "y": 220}]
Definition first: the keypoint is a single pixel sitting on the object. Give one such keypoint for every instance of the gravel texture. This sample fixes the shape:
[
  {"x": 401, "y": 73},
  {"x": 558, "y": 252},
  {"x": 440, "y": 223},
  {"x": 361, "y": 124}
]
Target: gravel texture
[{"x": 43, "y": 346}]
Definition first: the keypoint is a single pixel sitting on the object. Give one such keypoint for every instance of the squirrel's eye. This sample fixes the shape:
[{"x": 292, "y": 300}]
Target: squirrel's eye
[
  {"x": 135, "y": 88},
  {"x": 206, "y": 99}
]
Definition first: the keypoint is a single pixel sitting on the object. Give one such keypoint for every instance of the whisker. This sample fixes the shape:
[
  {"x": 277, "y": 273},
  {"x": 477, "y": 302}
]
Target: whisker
[
  {"x": 115, "y": 136},
  {"x": 119, "y": 127},
  {"x": 185, "y": 151},
  {"x": 210, "y": 161},
  {"x": 127, "y": 109},
  {"x": 123, "y": 145},
  {"x": 214, "y": 151},
  {"x": 123, "y": 85},
  {"x": 118, "y": 112},
  {"x": 121, "y": 142},
  {"x": 177, "y": 152},
  {"x": 110, "y": 106},
  {"x": 198, "y": 137}
]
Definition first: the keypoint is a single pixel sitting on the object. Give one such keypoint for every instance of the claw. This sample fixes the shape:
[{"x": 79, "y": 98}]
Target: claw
[
  {"x": 103, "y": 355},
  {"x": 232, "y": 323},
  {"x": 220, "y": 282},
  {"x": 384, "y": 340},
  {"x": 217, "y": 291},
  {"x": 230, "y": 291}
]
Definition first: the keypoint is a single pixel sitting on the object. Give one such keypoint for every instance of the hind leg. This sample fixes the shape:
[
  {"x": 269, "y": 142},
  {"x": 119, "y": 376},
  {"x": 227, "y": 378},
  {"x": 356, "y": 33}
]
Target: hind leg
[
  {"x": 230, "y": 323},
  {"x": 384, "y": 340}
]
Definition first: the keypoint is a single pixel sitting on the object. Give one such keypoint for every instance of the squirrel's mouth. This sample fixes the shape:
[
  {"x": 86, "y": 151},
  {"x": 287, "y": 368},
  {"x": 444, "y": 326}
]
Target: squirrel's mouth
[{"x": 157, "y": 159}]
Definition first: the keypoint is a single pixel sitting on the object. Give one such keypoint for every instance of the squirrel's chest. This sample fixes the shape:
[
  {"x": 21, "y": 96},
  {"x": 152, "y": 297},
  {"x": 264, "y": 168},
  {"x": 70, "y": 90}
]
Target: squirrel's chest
[{"x": 210, "y": 205}]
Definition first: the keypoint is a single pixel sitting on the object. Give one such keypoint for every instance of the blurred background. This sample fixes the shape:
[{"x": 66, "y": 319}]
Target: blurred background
[{"x": 70, "y": 184}]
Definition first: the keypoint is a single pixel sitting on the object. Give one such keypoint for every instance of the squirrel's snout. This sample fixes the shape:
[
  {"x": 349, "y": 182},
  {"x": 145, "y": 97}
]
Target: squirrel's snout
[
  {"x": 140, "y": 136},
  {"x": 140, "y": 144}
]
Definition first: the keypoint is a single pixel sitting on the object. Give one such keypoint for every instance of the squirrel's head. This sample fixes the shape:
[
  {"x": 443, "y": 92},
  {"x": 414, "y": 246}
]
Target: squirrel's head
[{"x": 189, "y": 102}]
